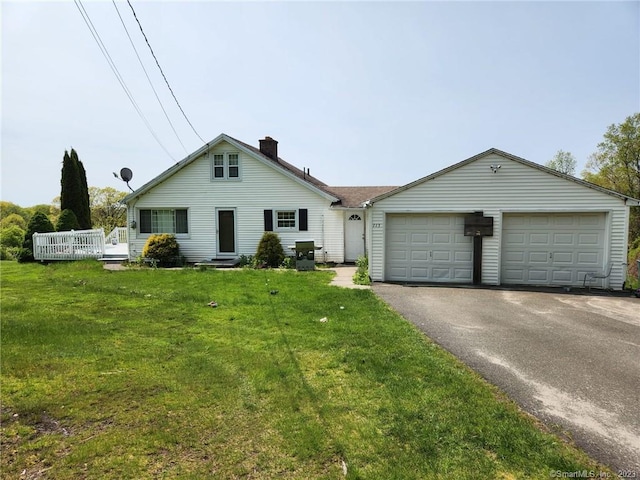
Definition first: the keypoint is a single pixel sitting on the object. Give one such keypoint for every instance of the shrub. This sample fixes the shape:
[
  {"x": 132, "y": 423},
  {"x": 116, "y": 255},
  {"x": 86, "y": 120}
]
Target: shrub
[
  {"x": 246, "y": 261},
  {"x": 67, "y": 221},
  {"x": 11, "y": 236},
  {"x": 633, "y": 275},
  {"x": 163, "y": 248},
  {"x": 361, "y": 277},
  {"x": 39, "y": 223},
  {"x": 289, "y": 263},
  {"x": 270, "y": 252},
  {"x": 9, "y": 253}
]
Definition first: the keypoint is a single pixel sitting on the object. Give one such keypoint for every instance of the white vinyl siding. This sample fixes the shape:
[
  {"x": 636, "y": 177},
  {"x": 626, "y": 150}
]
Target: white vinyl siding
[
  {"x": 263, "y": 187},
  {"x": 515, "y": 188}
]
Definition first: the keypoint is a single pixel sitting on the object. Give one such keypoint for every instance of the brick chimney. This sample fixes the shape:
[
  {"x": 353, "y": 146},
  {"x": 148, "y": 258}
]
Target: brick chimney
[{"x": 269, "y": 147}]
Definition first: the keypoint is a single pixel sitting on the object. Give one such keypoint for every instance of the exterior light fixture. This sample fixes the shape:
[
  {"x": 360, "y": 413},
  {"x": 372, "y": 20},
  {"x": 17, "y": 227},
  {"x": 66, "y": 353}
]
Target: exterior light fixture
[{"x": 495, "y": 167}]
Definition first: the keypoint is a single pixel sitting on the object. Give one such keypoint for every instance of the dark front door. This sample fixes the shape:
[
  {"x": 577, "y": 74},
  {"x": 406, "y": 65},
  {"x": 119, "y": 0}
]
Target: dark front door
[{"x": 226, "y": 231}]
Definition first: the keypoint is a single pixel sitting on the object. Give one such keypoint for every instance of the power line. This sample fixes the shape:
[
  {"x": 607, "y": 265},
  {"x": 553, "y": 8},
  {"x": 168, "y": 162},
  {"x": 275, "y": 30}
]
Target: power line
[
  {"x": 163, "y": 75},
  {"x": 114, "y": 69},
  {"x": 148, "y": 79}
]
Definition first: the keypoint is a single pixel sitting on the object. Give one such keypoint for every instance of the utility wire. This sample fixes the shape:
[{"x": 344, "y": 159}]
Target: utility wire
[
  {"x": 148, "y": 79},
  {"x": 114, "y": 69},
  {"x": 163, "y": 75}
]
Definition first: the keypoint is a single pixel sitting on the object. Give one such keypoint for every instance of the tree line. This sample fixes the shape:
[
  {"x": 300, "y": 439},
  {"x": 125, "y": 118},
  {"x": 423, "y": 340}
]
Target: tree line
[{"x": 615, "y": 165}]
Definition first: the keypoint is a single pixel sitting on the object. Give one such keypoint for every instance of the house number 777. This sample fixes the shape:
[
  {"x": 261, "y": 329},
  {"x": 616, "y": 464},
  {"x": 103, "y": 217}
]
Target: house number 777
[{"x": 377, "y": 225}]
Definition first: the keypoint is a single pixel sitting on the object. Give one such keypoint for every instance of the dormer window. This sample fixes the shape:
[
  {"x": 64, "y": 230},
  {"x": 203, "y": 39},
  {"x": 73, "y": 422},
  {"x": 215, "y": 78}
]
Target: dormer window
[{"x": 225, "y": 166}]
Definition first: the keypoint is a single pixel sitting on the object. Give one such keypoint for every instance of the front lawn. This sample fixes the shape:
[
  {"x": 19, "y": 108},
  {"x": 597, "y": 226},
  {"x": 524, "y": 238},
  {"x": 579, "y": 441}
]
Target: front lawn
[{"x": 132, "y": 375}]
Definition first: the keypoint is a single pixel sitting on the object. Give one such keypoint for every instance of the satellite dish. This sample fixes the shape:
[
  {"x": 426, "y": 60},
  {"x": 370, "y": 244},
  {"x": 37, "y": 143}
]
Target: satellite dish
[{"x": 126, "y": 174}]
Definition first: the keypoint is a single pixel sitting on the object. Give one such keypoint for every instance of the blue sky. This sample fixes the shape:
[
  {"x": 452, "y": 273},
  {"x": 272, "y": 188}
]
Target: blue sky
[{"x": 361, "y": 93}]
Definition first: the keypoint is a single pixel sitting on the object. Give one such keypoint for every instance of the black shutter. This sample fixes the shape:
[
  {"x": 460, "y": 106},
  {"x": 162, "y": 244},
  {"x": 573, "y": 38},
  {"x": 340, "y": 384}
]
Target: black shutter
[
  {"x": 268, "y": 220},
  {"x": 302, "y": 220},
  {"x": 181, "y": 221},
  {"x": 145, "y": 221}
]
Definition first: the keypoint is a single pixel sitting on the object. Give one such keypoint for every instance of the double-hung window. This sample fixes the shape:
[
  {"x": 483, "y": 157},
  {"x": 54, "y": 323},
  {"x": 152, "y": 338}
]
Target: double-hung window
[
  {"x": 286, "y": 219},
  {"x": 225, "y": 166},
  {"x": 164, "y": 221}
]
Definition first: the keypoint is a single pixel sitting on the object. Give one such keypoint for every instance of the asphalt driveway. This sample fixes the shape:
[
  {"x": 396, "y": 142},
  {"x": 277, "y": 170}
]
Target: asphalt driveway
[{"x": 573, "y": 361}]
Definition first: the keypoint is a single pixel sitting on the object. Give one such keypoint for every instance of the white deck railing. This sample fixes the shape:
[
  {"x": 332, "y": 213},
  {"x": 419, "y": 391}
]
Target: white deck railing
[
  {"x": 79, "y": 244},
  {"x": 117, "y": 236},
  {"x": 73, "y": 245}
]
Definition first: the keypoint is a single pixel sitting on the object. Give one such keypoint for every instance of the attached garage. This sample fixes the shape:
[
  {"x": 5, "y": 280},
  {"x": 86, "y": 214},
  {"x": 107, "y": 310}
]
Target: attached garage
[
  {"x": 551, "y": 248},
  {"x": 428, "y": 248},
  {"x": 547, "y": 228}
]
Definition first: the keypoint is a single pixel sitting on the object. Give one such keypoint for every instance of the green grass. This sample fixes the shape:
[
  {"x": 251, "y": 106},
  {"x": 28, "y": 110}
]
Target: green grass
[{"x": 130, "y": 375}]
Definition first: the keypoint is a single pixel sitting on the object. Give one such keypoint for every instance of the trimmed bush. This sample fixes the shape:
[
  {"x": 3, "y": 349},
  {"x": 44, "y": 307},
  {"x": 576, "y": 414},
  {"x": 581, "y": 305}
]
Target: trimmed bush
[
  {"x": 163, "y": 248},
  {"x": 67, "y": 221},
  {"x": 270, "y": 252}
]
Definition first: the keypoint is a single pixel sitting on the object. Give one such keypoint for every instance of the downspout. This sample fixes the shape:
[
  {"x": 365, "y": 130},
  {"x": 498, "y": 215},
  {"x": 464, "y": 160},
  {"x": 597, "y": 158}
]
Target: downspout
[
  {"x": 130, "y": 231},
  {"x": 364, "y": 229},
  {"x": 324, "y": 246},
  {"x": 367, "y": 205}
]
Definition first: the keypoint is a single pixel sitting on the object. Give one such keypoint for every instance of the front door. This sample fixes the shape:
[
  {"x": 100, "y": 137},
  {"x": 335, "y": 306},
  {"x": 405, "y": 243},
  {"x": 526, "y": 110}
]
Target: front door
[
  {"x": 353, "y": 235},
  {"x": 226, "y": 232}
]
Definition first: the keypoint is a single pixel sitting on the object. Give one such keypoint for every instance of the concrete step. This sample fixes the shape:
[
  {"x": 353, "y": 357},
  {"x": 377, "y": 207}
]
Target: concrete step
[
  {"x": 219, "y": 263},
  {"x": 113, "y": 258}
]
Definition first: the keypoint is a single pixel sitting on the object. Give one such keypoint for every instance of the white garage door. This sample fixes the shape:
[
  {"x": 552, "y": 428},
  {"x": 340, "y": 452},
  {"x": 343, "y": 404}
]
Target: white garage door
[
  {"x": 551, "y": 249},
  {"x": 428, "y": 248}
]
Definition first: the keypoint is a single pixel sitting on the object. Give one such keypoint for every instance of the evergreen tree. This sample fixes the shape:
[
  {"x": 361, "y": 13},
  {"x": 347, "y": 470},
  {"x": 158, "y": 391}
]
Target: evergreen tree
[
  {"x": 67, "y": 221},
  {"x": 39, "y": 223},
  {"x": 84, "y": 219},
  {"x": 75, "y": 193}
]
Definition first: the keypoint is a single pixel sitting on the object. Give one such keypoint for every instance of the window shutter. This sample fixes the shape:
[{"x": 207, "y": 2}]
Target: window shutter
[
  {"x": 145, "y": 221},
  {"x": 268, "y": 220},
  {"x": 302, "y": 220},
  {"x": 181, "y": 221}
]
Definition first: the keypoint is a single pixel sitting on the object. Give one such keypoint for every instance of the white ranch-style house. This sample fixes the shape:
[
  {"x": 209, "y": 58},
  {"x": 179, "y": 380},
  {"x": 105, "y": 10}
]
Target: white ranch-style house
[
  {"x": 222, "y": 198},
  {"x": 493, "y": 219},
  {"x": 540, "y": 227}
]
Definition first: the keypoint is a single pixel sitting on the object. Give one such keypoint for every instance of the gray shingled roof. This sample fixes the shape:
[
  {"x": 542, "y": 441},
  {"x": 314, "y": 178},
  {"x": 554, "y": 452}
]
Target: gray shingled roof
[
  {"x": 354, "y": 197},
  {"x": 287, "y": 166}
]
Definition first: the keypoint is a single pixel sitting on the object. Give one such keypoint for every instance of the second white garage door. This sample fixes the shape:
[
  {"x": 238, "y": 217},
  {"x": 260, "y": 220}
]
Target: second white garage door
[
  {"x": 552, "y": 248},
  {"x": 428, "y": 248}
]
